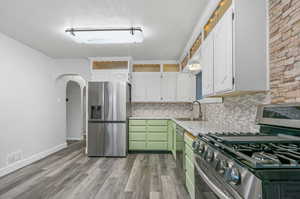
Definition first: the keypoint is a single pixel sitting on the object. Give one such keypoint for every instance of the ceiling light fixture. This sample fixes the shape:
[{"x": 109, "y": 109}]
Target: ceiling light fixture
[
  {"x": 194, "y": 65},
  {"x": 106, "y": 36}
]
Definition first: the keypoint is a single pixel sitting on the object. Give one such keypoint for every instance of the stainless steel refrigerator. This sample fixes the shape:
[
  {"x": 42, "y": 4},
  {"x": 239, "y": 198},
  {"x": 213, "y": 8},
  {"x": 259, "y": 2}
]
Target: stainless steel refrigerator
[{"x": 108, "y": 113}]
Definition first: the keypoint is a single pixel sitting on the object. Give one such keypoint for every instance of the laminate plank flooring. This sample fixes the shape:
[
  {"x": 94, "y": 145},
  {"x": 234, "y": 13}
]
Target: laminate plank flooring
[{"x": 70, "y": 174}]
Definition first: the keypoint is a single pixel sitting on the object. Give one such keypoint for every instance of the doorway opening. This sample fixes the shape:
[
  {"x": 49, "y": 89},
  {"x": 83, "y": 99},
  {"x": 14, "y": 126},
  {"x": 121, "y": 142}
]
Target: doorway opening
[{"x": 74, "y": 116}]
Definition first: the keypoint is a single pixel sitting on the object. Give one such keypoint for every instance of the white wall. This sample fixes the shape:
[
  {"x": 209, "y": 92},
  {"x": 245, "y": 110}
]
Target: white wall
[
  {"x": 31, "y": 119},
  {"x": 32, "y": 102},
  {"x": 74, "y": 111},
  {"x": 74, "y": 67}
]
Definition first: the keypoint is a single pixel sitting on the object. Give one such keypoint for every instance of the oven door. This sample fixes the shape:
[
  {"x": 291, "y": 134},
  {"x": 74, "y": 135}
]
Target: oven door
[{"x": 207, "y": 185}]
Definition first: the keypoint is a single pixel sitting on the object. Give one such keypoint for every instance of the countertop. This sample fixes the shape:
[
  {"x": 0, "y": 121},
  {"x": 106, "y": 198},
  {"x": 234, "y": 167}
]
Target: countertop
[{"x": 193, "y": 127}]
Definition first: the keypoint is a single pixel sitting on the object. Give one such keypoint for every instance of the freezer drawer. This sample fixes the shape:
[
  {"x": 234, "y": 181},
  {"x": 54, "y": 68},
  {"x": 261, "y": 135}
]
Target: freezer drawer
[{"x": 107, "y": 139}]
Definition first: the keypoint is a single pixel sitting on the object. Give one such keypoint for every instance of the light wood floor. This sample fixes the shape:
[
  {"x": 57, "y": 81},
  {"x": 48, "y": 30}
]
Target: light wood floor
[{"x": 69, "y": 174}]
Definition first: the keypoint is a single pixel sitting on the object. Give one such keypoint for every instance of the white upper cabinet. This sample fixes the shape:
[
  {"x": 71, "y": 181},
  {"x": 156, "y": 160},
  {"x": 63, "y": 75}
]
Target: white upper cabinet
[
  {"x": 207, "y": 61},
  {"x": 139, "y": 86},
  {"x": 186, "y": 87},
  {"x": 169, "y": 87},
  {"x": 223, "y": 67},
  {"x": 153, "y": 87},
  {"x": 146, "y": 87},
  {"x": 162, "y": 83},
  {"x": 163, "y": 87},
  {"x": 234, "y": 51}
]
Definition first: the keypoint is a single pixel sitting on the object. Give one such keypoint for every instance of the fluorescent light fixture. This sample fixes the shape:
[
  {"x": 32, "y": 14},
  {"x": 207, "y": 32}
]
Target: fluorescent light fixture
[
  {"x": 106, "y": 36},
  {"x": 194, "y": 65}
]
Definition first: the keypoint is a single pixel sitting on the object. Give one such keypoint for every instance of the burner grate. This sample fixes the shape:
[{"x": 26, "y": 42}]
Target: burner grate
[{"x": 260, "y": 151}]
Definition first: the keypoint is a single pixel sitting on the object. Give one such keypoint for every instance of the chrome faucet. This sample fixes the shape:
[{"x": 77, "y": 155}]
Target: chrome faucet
[{"x": 200, "y": 111}]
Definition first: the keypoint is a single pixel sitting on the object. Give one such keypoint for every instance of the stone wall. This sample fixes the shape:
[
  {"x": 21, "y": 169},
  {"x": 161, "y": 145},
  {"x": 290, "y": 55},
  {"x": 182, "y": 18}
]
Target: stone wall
[{"x": 284, "y": 50}]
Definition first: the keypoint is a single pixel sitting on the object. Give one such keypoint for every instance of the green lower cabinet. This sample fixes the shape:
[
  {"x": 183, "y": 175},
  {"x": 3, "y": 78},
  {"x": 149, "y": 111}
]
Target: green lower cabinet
[
  {"x": 189, "y": 152},
  {"x": 189, "y": 166},
  {"x": 157, "y": 137},
  {"x": 190, "y": 185},
  {"x": 172, "y": 138},
  {"x": 157, "y": 129},
  {"x": 137, "y": 136},
  {"x": 162, "y": 146},
  {"x": 157, "y": 122},
  {"x": 137, "y": 122},
  {"x": 179, "y": 146},
  {"x": 151, "y": 135},
  {"x": 137, "y": 145},
  {"x": 137, "y": 129}
]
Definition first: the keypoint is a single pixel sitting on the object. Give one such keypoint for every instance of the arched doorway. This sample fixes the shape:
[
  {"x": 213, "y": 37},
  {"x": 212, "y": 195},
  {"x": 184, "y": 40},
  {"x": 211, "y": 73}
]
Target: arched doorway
[
  {"x": 74, "y": 115},
  {"x": 68, "y": 87}
]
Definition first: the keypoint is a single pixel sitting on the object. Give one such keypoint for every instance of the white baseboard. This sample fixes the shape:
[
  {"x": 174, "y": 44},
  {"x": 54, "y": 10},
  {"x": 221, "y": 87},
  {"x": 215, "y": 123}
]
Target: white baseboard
[
  {"x": 22, "y": 163},
  {"x": 74, "y": 139}
]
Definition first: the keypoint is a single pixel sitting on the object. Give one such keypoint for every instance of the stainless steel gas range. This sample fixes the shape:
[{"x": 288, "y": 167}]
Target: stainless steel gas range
[{"x": 252, "y": 165}]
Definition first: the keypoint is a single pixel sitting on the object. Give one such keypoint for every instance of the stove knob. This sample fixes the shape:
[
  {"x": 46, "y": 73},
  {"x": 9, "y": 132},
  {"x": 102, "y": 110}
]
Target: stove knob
[
  {"x": 209, "y": 155},
  {"x": 201, "y": 148},
  {"x": 195, "y": 145},
  {"x": 234, "y": 176},
  {"x": 222, "y": 165}
]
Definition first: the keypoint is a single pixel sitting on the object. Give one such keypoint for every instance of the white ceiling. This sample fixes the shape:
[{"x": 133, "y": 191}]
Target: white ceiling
[{"x": 167, "y": 25}]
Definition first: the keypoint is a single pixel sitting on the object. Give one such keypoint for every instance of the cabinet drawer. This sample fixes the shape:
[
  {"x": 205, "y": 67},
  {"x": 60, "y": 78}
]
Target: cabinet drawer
[
  {"x": 157, "y": 128},
  {"x": 137, "y": 128},
  {"x": 188, "y": 139},
  {"x": 136, "y": 145},
  {"x": 157, "y": 122},
  {"x": 157, "y": 146},
  {"x": 137, "y": 136},
  {"x": 137, "y": 122},
  {"x": 157, "y": 136},
  {"x": 188, "y": 151}
]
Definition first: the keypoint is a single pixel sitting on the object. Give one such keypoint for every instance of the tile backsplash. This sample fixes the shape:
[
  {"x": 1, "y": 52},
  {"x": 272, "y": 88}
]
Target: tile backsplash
[
  {"x": 237, "y": 112},
  {"x": 161, "y": 110}
]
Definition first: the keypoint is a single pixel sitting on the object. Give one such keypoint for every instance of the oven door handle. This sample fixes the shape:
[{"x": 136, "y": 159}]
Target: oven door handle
[{"x": 214, "y": 188}]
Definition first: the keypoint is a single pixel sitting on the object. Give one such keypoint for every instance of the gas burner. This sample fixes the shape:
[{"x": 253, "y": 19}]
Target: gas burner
[
  {"x": 258, "y": 150},
  {"x": 266, "y": 158},
  {"x": 254, "y": 165}
]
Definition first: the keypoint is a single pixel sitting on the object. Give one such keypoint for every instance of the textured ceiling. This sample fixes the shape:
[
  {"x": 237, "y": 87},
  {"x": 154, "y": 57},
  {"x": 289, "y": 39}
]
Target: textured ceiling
[{"x": 167, "y": 25}]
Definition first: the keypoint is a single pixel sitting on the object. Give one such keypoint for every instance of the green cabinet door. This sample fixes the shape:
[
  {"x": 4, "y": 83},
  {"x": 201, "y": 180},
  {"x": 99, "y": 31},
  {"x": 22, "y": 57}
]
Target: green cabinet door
[
  {"x": 157, "y": 129},
  {"x": 170, "y": 135},
  {"x": 190, "y": 187},
  {"x": 159, "y": 146},
  {"x": 137, "y": 145},
  {"x": 137, "y": 128},
  {"x": 157, "y": 137},
  {"x": 174, "y": 140},
  {"x": 137, "y": 136}
]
